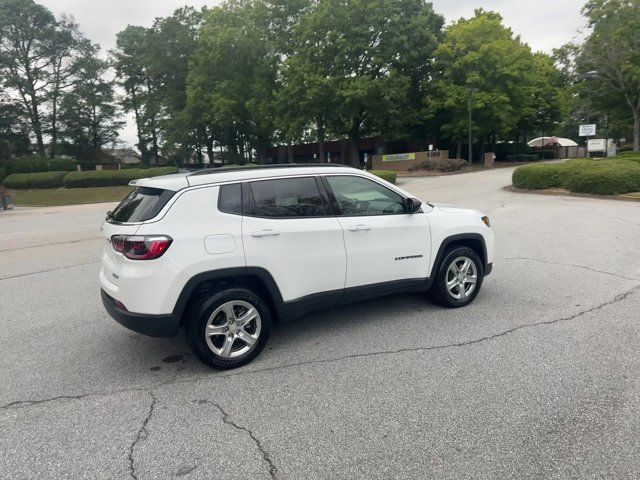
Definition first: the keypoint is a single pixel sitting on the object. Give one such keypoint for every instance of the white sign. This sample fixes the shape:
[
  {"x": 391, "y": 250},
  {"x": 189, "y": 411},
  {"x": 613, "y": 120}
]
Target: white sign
[
  {"x": 596, "y": 145},
  {"x": 599, "y": 144},
  {"x": 587, "y": 130},
  {"x": 431, "y": 148}
]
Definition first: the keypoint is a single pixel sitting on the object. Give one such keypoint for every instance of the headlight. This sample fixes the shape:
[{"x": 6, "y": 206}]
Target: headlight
[{"x": 486, "y": 221}]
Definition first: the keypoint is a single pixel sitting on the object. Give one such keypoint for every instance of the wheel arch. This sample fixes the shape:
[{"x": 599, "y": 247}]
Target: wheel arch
[
  {"x": 474, "y": 241},
  {"x": 256, "y": 279}
]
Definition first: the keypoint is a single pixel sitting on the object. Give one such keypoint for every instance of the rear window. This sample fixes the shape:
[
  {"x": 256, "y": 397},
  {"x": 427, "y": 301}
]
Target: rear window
[{"x": 142, "y": 204}]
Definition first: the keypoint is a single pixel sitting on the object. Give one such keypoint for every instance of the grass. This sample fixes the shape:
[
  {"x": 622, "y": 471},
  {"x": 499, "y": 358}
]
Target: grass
[{"x": 54, "y": 197}]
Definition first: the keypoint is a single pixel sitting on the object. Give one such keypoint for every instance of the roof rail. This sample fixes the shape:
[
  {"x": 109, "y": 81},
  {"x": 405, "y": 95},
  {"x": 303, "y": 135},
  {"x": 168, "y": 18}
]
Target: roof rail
[{"x": 274, "y": 166}]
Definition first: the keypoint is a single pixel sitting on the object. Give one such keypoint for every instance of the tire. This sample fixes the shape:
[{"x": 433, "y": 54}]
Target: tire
[
  {"x": 224, "y": 347},
  {"x": 446, "y": 273}
]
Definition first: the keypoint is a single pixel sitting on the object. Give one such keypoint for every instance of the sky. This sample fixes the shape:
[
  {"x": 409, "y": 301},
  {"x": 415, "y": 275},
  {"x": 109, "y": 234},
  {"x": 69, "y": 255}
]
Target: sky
[{"x": 543, "y": 24}]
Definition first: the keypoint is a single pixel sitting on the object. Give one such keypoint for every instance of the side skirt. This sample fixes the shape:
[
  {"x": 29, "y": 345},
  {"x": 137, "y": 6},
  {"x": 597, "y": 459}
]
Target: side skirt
[{"x": 321, "y": 301}]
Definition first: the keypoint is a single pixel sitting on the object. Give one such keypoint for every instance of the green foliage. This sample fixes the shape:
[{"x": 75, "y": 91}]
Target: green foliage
[
  {"x": 608, "y": 61},
  {"x": 442, "y": 165},
  {"x": 388, "y": 175},
  {"x": 88, "y": 114},
  {"x": 107, "y": 178},
  {"x": 37, "y": 164},
  {"x": 481, "y": 64},
  {"x": 603, "y": 177},
  {"x": 35, "y": 180}
]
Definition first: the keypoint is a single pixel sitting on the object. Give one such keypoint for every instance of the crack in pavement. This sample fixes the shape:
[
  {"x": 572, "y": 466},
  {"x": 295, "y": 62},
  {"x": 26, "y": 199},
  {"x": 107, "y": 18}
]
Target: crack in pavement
[
  {"x": 572, "y": 265},
  {"x": 139, "y": 436},
  {"x": 226, "y": 418},
  {"x": 49, "y": 270},
  {"x": 143, "y": 432},
  {"x": 174, "y": 379}
]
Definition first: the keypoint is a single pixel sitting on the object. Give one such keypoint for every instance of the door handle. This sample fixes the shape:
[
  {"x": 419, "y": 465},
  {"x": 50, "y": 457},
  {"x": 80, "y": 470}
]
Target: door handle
[
  {"x": 265, "y": 233},
  {"x": 360, "y": 228}
]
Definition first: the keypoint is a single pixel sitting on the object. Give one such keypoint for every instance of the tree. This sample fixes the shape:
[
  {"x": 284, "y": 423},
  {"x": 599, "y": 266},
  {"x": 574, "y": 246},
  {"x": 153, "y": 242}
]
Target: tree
[
  {"x": 481, "y": 65},
  {"x": 372, "y": 58},
  {"x": 28, "y": 33},
  {"x": 232, "y": 81},
  {"x": 131, "y": 59},
  {"x": 612, "y": 53},
  {"x": 88, "y": 112}
]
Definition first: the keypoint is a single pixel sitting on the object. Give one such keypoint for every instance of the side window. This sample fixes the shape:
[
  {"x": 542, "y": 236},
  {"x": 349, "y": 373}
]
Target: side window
[
  {"x": 230, "y": 200},
  {"x": 289, "y": 197},
  {"x": 357, "y": 196}
]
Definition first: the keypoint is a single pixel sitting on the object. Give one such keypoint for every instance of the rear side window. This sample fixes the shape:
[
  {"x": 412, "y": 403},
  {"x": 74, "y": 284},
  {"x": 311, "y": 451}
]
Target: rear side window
[
  {"x": 288, "y": 197},
  {"x": 230, "y": 199},
  {"x": 142, "y": 204}
]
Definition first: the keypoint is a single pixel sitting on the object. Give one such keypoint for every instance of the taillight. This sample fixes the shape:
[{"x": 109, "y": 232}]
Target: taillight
[{"x": 139, "y": 247}]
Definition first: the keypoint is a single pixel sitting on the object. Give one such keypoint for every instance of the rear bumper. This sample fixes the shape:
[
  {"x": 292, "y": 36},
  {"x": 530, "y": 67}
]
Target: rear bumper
[{"x": 150, "y": 325}]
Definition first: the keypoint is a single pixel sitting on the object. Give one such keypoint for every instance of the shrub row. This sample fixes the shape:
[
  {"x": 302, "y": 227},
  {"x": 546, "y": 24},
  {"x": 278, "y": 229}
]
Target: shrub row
[
  {"x": 441, "y": 165},
  {"x": 388, "y": 175},
  {"x": 110, "y": 178},
  {"x": 92, "y": 178},
  {"x": 35, "y": 180},
  {"x": 37, "y": 164},
  {"x": 603, "y": 177}
]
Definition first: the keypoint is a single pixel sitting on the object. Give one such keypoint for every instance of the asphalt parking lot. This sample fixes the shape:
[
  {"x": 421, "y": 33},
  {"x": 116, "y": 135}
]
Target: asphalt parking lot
[{"x": 539, "y": 378}]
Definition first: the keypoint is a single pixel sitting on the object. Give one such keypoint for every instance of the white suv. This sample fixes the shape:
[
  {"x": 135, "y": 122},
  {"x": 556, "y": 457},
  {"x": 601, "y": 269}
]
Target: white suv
[{"x": 225, "y": 252}]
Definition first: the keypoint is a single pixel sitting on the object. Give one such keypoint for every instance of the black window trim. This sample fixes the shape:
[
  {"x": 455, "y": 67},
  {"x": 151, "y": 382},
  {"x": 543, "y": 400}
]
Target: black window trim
[
  {"x": 336, "y": 206},
  {"x": 246, "y": 198}
]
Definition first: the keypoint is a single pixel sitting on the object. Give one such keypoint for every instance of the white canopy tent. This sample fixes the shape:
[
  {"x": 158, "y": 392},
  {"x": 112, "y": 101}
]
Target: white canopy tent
[{"x": 551, "y": 142}]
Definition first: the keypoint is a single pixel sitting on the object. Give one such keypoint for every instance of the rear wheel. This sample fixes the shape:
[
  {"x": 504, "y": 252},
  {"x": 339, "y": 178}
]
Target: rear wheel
[
  {"x": 229, "y": 328},
  {"x": 458, "y": 278}
]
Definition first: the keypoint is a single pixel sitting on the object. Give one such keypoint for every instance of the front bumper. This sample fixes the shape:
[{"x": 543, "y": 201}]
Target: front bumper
[{"x": 150, "y": 325}]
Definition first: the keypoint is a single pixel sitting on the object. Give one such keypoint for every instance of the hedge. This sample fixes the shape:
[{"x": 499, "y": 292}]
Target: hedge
[
  {"x": 523, "y": 157},
  {"x": 40, "y": 164},
  {"x": 35, "y": 180},
  {"x": 613, "y": 176},
  {"x": 110, "y": 178},
  {"x": 388, "y": 175}
]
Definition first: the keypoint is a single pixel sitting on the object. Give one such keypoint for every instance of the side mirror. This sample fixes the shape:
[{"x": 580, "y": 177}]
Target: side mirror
[{"x": 413, "y": 205}]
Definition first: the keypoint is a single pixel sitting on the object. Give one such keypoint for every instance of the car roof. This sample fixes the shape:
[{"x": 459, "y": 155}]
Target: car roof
[{"x": 178, "y": 181}]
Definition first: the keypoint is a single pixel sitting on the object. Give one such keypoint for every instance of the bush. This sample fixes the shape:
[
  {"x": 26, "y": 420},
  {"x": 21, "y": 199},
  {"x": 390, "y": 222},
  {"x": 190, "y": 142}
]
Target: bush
[
  {"x": 388, "y": 175},
  {"x": 35, "y": 180},
  {"x": 110, "y": 178},
  {"x": 523, "y": 157},
  {"x": 37, "y": 164},
  {"x": 599, "y": 176},
  {"x": 442, "y": 165},
  {"x": 535, "y": 177},
  {"x": 607, "y": 182},
  {"x": 628, "y": 154}
]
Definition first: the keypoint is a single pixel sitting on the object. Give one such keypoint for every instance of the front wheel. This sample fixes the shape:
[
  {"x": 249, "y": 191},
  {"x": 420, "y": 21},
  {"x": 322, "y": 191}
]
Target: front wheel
[
  {"x": 458, "y": 278},
  {"x": 229, "y": 328}
]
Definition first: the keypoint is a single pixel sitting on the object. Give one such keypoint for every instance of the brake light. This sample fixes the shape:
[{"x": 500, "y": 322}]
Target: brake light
[{"x": 141, "y": 247}]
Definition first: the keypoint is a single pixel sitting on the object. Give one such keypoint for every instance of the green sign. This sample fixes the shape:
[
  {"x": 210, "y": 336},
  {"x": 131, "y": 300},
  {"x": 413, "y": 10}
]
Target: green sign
[{"x": 399, "y": 157}]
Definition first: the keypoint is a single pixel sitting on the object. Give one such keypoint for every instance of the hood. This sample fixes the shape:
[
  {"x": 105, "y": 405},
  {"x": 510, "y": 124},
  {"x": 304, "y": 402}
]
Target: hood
[{"x": 453, "y": 208}]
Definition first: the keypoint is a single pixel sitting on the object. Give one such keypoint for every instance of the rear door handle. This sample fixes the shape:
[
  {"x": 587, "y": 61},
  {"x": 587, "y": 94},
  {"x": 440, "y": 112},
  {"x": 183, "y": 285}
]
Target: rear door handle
[
  {"x": 265, "y": 233},
  {"x": 360, "y": 228}
]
